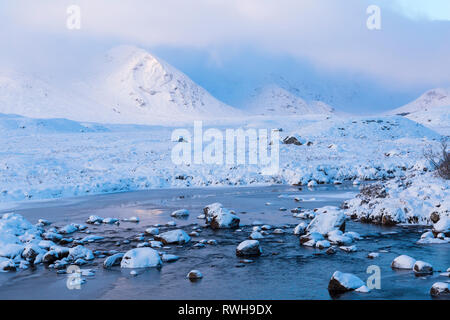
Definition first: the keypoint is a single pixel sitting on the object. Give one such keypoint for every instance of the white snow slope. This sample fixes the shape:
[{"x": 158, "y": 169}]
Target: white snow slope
[
  {"x": 128, "y": 86},
  {"x": 275, "y": 101},
  {"x": 432, "y": 109}
]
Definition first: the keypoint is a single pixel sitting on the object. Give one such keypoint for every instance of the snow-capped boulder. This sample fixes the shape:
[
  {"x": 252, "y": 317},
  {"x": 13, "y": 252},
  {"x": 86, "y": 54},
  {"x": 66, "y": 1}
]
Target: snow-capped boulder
[
  {"x": 31, "y": 251},
  {"x": 70, "y": 228},
  {"x": 110, "y": 221},
  {"x": 403, "y": 262},
  {"x": 339, "y": 238},
  {"x": 80, "y": 252},
  {"x": 173, "y": 237},
  {"x": 7, "y": 265},
  {"x": 440, "y": 289},
  {"x": 55, "y": 254},
  {"x": 248, "y": 248},
  {"x": 422, "y": 268},
  {"x": 278, "y": 231},
  {"x": 141, "y": 258},
  {"x": 329, "y": 219},
  {"x": 156, "y": 244},
  {"x": 300, "y": 229},
  {"x": 152, "y": 231},
  {"x": 311, "y": 239},
  {"x": 442, "y": 226},
  {"x": 219, "y": 217},
  {"x": 294, "y": 139},
  {"x": 373, "y": 255},
  {"x": 183, "y": 213},
  {"x": 169, "y": 257},
  {"x": 349, "y": 248},
  {"x": 255, "y": 235},
  {"x": 323, "y": 244},
  {"x": 114, "y": 260},
  {"x": 343, "y": 282},
  {"x": 94, "y": 219},
  {"x": 194, "y": 275}
]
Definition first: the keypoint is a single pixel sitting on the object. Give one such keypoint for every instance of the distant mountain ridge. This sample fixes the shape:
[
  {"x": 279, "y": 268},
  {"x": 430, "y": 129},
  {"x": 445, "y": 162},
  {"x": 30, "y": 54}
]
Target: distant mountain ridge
[
  {"x": 130, "y": 86},
  {"x": 277, "y": 101},
  {"x": 431, "y": 109}
]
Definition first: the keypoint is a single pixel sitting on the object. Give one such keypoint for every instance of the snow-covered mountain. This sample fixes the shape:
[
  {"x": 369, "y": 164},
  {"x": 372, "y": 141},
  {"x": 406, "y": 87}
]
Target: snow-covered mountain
[
  {"x": 431, "y": 109},
  {"x": 276, "y": 101},
  {"x": 129, "y": 85},
  {"x": 426, "y": 102}
]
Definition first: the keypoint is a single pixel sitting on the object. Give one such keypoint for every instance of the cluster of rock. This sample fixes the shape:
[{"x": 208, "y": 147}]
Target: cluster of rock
[
  {"x": 417, "y": 198},
  {"x": 23, "y": 245},
  {"x": 422, "y": 268},
  {"x": 327, "y": 229}
]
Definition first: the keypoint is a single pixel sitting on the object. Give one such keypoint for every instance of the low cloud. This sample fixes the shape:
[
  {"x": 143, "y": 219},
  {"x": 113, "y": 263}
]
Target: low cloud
[{"x": 330, "y": 34}]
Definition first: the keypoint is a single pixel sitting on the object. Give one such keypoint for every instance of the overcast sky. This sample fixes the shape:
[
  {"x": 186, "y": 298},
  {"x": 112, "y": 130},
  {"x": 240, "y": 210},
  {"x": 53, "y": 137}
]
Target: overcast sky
[{"x": 215, "y": 41}]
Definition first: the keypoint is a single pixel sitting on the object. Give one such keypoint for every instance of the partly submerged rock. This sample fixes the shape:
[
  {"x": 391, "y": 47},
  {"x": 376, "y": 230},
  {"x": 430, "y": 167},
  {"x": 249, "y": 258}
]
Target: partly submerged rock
[
  {"x": 440, "y": 289},
  {"x": 219, "y": 217},
  {"x": 255, "y": 235},
  {"x": 300, "y": 229},
  {"x": 152, "y": 231},
  {"x": 194, "y": 275},
  {"x": 329, "y": 219},
  {"x": 114, "y": 260},
  {"x": 343, "y": 282},
  {"x": 311, "y": 239},
  {"x": 183, "y": 213},
  {"x": 403, "y": 262},
  {"x": 248, "y": 248},
  {"x": 141, "y": 258},
  {"x": 422, "y": 268},
  {"x": 169, "y": 257},
  {"x": 177, "y": 236}
]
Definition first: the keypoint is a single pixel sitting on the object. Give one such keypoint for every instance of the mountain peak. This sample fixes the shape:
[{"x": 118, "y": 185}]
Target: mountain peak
[{"x": 275, "y": 100}]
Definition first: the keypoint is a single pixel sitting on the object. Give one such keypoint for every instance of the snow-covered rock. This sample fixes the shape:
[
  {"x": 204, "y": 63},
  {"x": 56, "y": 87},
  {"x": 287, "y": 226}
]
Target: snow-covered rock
[
  {"x": 110, "y": 221},
  {"x": 94, "y": 219},
  {"x": 343, "y": 282},
  {"x": 442, "y": 226},
  {"x": 152, "y": 231},
  {"x": 80, "y": 252},
  {"x": 169, "y": 257},
  {"x": 349, "y": 248},
  {"x": 300, "y": 229},
  {"x": 219, "y": 217},
  {"x": 311, "y": 239},
  {"x": 440, "y": 289},
  {"x": 255, "y": 235},
  {"x": 194, "y": 275},
  {"x": 422, "y": 268},
  {"x": 328, "y": 219},
  {"x": 141, "y": 258},
  {"x": 173, "y": 237},
  {"x": 114, "y": 260},
  {"x": 339, "y": 238},
  {"x": 68, "y": 229},
  {"x": 323, "y": 244},
  {"x": 7, "y": 265},
  {"x": 403, "y": 262},
  {"x": 249, "y": 248},
  {"x": 182, "y": 213}
]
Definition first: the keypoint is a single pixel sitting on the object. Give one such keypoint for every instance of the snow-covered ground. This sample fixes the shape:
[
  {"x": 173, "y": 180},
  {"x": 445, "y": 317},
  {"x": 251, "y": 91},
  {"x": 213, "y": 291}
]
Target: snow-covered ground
[{"x": 43, "y": 159}]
